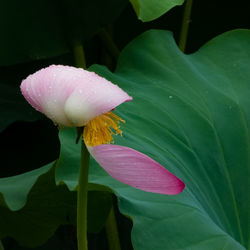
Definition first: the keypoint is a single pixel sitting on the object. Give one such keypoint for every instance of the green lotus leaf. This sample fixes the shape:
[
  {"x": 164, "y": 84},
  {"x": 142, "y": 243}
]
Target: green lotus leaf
[
  {"x": 34, "y": 206},
  {"x": 191, "y": 114},
  {"x": 13, "y": 106},
  {"x": 148, "y": 10}
]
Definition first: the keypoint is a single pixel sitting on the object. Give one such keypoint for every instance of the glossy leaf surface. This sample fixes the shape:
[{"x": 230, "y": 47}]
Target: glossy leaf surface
[{"x": 190, "y": 113}]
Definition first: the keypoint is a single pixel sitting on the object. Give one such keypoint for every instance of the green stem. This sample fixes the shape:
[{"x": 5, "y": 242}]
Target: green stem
[
  {"x": 79, "y": 54},
  {"x": 82, "y": 196},
  {"x": 112, "y": 231},
  {"x": 1, "y": 245},
  {"x": 109, "y": 44},
  {"x": 185, "y": 25},
  {"x": 82, "y": 193}
]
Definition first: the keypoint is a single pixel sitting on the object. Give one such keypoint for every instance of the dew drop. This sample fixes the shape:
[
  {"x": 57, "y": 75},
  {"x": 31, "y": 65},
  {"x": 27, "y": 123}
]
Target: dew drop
[{"x": 170, "y": 97}]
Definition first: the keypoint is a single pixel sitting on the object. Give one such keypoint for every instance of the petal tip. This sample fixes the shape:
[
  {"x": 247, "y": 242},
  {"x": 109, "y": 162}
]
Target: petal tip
[
  {"x": 130, "y": 98},
  {"x": 179, "y": 187}
]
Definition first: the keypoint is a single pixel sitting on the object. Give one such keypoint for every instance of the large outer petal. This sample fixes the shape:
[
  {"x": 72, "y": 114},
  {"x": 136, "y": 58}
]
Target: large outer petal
[
  {"x": 93, "y": 97},
  {"x": 136, "y": 169},
  {"x": 71, "y": 96}
]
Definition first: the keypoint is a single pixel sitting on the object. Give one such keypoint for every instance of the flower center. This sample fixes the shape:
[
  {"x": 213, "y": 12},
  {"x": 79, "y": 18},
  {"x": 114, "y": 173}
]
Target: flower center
[{"x": 100, "y": 129}]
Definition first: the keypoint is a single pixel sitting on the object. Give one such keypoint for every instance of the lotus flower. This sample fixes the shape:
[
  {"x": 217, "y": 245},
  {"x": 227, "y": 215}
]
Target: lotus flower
[{"x": 75, "y": 97}]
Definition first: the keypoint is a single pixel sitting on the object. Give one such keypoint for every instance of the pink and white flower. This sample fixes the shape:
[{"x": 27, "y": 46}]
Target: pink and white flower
[{"x": 72, "y": 96}]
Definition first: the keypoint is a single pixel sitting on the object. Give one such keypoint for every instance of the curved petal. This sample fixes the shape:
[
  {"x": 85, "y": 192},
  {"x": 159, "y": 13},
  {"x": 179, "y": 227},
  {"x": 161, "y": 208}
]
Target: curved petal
[
  {"x": 136, "y": 169},
  {"x": 71, "y": 96},
  {"x": 48, "y": 89},
  {"x": 95, "y": 96}
]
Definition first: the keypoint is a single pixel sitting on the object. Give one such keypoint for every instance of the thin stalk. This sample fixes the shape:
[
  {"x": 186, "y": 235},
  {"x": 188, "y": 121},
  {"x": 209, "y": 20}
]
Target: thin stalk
[
  {"x": 79, "y": 54},
  {"x": 1, "y": 245},
  {"x": 82, "y": 192},
  {"x": 82, "y": 197},
  {"x": 185, "y": 25},
  {"x": 112, "y": 231}
]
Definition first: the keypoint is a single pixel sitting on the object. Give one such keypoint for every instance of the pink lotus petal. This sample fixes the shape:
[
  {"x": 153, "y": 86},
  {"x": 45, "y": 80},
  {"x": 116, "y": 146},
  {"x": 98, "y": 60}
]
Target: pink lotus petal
[
  {"x": 95, "y": 96},
  {"x": 71, "y": 96},
  {"x": 136, "y": 169}
]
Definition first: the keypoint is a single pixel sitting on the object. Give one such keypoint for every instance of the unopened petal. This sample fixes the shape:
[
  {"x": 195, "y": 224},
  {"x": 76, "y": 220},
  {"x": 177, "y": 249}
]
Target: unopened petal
[
  {"x": 48, "y": 89},
  {"x": 95, "y": 96},
  {"x": 71, "y": 96},
  {"x": 136, "y": 169}
]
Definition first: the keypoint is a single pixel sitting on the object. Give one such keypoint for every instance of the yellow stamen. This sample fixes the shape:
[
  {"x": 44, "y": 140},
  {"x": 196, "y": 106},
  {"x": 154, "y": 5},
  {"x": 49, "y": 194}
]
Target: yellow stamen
[{"x": 100, "y": 129}]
